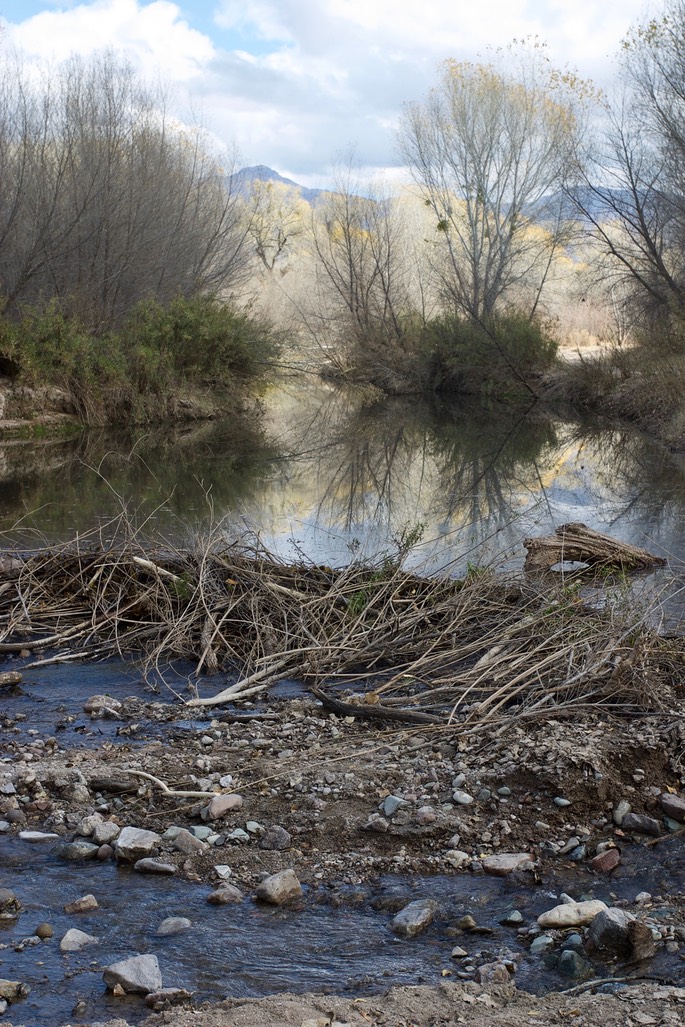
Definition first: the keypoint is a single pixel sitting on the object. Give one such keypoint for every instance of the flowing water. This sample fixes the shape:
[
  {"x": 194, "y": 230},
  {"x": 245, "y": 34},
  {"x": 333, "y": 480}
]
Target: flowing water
[{"x": 329, "y": 476}]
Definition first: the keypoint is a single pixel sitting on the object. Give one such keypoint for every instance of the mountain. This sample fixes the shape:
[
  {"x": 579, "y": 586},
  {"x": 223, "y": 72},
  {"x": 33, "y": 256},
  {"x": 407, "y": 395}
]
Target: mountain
[{"x": 242, "y": 180}]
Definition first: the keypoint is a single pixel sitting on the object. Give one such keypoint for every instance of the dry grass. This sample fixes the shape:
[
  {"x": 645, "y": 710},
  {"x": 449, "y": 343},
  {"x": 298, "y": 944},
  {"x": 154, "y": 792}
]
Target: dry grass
[{"x": 484, "y": 650}]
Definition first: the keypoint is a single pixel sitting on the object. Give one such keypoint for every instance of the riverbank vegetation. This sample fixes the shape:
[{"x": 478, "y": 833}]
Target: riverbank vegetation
[{"x": 122, "y": 247}]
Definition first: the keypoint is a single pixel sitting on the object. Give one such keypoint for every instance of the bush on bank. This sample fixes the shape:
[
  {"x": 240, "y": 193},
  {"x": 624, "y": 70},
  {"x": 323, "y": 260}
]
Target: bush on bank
[{"x": 137, "y": 372}]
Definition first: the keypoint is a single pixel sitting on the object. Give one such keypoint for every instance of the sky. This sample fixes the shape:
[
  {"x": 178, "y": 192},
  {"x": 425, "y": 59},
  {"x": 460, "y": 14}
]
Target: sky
[{"x": 294, "y": 84}]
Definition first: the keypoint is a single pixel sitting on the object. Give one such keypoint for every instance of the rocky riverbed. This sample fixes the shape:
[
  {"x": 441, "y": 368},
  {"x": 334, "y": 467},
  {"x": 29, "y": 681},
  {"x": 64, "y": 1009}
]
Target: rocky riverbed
[{"x": 545, "y": 858}]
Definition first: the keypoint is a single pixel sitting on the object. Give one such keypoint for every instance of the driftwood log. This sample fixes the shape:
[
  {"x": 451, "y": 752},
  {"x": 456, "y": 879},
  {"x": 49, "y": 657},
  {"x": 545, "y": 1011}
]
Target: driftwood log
[{"x": 578, "y": 543}]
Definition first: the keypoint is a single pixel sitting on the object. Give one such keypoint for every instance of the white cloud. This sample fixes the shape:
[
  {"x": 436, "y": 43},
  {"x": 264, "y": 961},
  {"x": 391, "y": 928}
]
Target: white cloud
[{"x": 154, "y": 35}]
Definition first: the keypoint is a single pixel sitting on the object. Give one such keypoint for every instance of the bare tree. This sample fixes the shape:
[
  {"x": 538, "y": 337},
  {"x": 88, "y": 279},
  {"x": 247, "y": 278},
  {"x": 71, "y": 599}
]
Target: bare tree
[
  {"x": 490, "y": 148},
  {"x": 277, "y": 215}
]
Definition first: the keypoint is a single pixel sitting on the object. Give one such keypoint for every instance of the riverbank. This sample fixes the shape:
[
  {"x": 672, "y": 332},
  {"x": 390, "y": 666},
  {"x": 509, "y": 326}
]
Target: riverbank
[{"x": 573, "y": 791}]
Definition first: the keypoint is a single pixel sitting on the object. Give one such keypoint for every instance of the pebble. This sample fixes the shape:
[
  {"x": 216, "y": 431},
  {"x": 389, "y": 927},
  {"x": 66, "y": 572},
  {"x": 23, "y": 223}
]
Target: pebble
[
  {"x": 239, "y": 835},
  {"x": 543, "y": 943},
  {"x": 187, "y": 843},
  {"x": 458, "y": 953},
  {"x": 609, "y": 931},
  {"x": 457, "y": 858},
  {"x": 391, "y": 803},
  {"x": 76, "y": 850},
  {"x": 225, "y": 895},
  {"x": 414, "y": 918},
  {"x": 512, "y": 919},
  {"x": 44, "y": 931},
  {"x": 223, "y": 871},
  {"x": 37, "y": 836},
  {"x": 572, "y": 964},
  {"x": 606, "y": 861},
  {"x": 641, "y": 824},
  {"x": 622, "y": 809},
  {"x": 560, "y": 801}
]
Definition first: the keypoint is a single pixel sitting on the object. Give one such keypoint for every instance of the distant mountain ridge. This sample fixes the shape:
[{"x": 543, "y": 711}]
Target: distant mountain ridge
[{"x": 241, "y": 181}]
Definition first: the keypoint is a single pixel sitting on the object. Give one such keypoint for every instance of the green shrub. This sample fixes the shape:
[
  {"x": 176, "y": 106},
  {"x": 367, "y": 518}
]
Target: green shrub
[{"x": 500, "y": 359}]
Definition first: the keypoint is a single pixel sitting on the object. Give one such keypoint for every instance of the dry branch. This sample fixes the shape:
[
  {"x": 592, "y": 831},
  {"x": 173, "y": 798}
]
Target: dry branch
[{"x": 578, "y": 543}]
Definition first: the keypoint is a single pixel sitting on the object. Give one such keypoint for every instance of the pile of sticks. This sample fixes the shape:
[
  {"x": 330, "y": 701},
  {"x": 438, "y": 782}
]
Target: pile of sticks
[{"x": 478, "y": 650}]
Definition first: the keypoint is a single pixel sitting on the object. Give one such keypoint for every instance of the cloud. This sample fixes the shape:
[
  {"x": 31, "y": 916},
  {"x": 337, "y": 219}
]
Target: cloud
[
  {"x": 293, "y": 82},
  {"x": 154, "y": 35}
]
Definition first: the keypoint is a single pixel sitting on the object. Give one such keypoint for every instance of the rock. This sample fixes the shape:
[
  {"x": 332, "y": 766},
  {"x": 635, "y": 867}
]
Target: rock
[
  {"x": 79, "y": 794},
  {"x": 571, "y": 914},
  {"x": 505, "y": 863},
  {"x": 37, "y": 836},
  {"x": 44, "y": 931},
  {"x": 106, "y": 832},
  {"x": 74, "y": 940},
  {"x": 462, "y": 798},
  {"x": 220, "y": 805},
  {"x": 149, "y": 865},
  {"x": 97, "y": 705},
  {"x": 159, "y": 1000},
  {"x": 275, "y": 838},
  {"x": 239, "y": 835},
  {"x": 673, "y": 806},
  {"x": 609, "y": 931},
  {"x": 492, "y": 973},
  {"x": 512, "y": 919},
  {"x": 414, "y": 918},
  {"x": 225, "y": 895},
  {"x": 641, "y": 824},
  {"x": 11, "y": 991},
  {"x": 572, "y": 964},
  {"x": 173, "y": 925},
  {"x": 458, "y": 952},
  {"x": 391, "y": 803},
  {"x": 606, "y": 861},
  {"x": 622, "y": 808},
  {"x": 187, "y": 843},
  {"x": 376, "y": 823},
  {"x": 642, "y": 943},
  {"x": 561, "y": 802},
  {"x": 88, "y": 825},
  {"x": 425, "y": 815},
  {"x": 10, "y": 677},
  {"x": 10, "y": 906},
  {"x": 138, "y": 975},
  {"x": 279, "y": 888},
  {"x": 76, "y": 850},
  {"x": 457, "y": 858},
  {"x": 133, "y": 843},
  {"x": 83, "y": 905},
  {"x": 543, "y": 943}
]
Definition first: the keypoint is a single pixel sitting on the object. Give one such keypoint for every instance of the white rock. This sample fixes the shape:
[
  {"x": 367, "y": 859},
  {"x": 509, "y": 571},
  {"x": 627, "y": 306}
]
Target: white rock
[
  {"x": 133, "y": 843},
  {"x": 571, "y": 914},
  {"x": 414, "y": 918},
  {"x": 37, "y": 836},
  {"x": 505, "y": 863},
  {"x": 279, "y": 888},
  {"x": 173, "y": 925},
  {"x": 139, "y": 975},
  {"x": 74, "y": 940}
]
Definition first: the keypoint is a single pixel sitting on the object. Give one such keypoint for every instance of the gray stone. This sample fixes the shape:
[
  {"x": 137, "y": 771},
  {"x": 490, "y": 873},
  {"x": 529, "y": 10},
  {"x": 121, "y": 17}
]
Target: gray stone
[
  {"x": 238, "y": 835},
  {"x": 641, "y": 824},
  {"x": 106, "y": 832},
  {"x": 275, "y": 838},
  {"x": 134, "y": 843},
  {"x": 85, "y": 904},
  {"x": 79, "y": 794},
  {"x": 88, "y": 824},
  {"x": 543, "y": 943},
  {"x": 505, "y": 863},
  {"x": 462, "y": 798},
  {"x": 642, "y": 942},
  {"x": 138, "y": 975},
  {"x": 149, "y": 865},
  {"x": 225, "y": 895},
  {"x": 414, "y": 918},
  {"x": 609, "y": 931},
  {"x": 187, "y": 843},
  {"x": 561, "y": 802},
  {"x": 74, "y": 940},
  {"x": 572, "y": 964},
  {"x": 512, "y": 919},
  {"x": 279, "y": 888},
  {"x": 673, "y": 806},
  {"x": 457, "y": 858},
  {"x": 571, "y": 914},
  {"x": 10, "y": 906},
  {"x": 173, "y": 925},
  {"x": 201, "y": 832},
  {"x": 165, "y": 997},
  {"x": 76, "y": 850},
  {"x": 391, "y": 803}
]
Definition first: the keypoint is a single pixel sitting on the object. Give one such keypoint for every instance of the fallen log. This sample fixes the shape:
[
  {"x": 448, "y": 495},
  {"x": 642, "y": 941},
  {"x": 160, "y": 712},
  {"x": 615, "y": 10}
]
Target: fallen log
[{"x": 575, "y": 542}]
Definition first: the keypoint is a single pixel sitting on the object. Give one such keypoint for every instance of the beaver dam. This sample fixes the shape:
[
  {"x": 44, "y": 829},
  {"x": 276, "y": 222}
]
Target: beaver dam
[{"x": 369, "y": 639}]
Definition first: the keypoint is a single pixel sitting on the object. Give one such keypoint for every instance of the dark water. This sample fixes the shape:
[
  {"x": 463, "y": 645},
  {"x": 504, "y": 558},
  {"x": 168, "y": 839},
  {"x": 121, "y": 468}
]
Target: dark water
[{"x": 251, "y": 949}]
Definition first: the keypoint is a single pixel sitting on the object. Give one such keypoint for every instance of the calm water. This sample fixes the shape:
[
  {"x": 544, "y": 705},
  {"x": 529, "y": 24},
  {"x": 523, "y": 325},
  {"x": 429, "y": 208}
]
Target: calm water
[{"x": 329, "y": 475}]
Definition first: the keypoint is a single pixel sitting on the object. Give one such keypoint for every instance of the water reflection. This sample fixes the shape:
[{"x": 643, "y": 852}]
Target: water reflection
[{"x": 329, "y": 473}]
